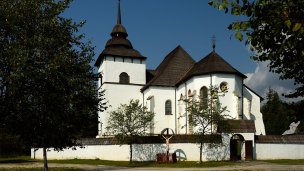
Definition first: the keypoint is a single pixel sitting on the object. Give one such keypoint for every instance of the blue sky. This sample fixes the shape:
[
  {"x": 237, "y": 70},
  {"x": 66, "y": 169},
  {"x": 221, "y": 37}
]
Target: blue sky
[{"x": 156, "y": 27}]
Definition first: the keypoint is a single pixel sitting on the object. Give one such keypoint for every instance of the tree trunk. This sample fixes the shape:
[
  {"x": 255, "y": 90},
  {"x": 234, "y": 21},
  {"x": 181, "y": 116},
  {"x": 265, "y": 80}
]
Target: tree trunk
[
  {"x": 131, "y": 151},
  {"x": 201, "y": 151},
  {"x": 45, "y": 164}
]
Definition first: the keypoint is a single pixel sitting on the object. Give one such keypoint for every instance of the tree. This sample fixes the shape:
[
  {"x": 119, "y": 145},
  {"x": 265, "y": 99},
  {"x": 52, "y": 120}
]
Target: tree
[
  {"x": 298, "y": 107},
  {"x": 129, "y": 121},
  {"x": 275, "y": 31},
  {"x": 276, "y": 114},
  {"x": 48, "y": 91},
  {"x": 207, "y": 114}
]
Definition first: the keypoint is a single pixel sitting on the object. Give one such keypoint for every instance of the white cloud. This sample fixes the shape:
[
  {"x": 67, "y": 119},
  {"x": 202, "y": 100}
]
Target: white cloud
[{"x": 262, "y": 79}]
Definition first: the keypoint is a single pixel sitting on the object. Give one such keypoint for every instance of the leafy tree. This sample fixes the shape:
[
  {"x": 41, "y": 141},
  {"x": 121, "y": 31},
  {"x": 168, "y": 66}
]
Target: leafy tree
[
  {"x": 206, "y": 115},
  {"x": 129, "y": 121},
  {"x": 298, "y": 107},
  {"x": 276, "y": 114},
  {"x": 275, "y": 31},
  {"x": 48, "y": 91}
]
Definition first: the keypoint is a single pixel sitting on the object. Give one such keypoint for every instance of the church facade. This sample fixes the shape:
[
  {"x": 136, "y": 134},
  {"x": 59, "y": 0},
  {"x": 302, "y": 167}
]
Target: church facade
[{"x": 163, "y": 90}]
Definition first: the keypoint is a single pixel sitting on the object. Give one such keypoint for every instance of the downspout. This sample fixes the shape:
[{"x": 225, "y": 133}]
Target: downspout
[
  {"x": 143, "y": 93},
  {"x": 242, "y": 99},
  {"x": 186, "y": 93},
  {"x": 175, "y": 112},
  {"x": 211, "y": 101}
]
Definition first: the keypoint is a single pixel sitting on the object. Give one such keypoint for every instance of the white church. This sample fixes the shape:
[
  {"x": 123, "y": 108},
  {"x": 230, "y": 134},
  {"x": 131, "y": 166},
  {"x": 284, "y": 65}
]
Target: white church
[
  {"x": 163, "y": 90},
  {"x": 178, "y": 76}
]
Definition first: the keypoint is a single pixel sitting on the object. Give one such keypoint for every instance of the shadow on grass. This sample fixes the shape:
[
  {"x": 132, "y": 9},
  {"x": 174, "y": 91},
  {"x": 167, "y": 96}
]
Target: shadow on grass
[{"x": 19, "y": 159}]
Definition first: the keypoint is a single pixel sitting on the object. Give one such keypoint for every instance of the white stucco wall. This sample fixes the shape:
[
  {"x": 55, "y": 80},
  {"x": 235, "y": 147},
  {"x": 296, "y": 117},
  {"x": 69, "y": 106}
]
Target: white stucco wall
[
  {"x": 230, "y": 100},
  {"x": 160, "y": 96},
  {"x": 252, "y": 110},
  {"x": 141, "y": 152},
  {"x": 117, "y": 94},
  {"x": 279, "y": 151},
  {"x": 111, "y": 69}
]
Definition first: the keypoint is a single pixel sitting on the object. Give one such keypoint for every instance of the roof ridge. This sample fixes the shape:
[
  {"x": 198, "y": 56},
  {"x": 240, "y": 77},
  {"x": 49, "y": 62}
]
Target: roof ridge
[{"x": 173, "y": 61}]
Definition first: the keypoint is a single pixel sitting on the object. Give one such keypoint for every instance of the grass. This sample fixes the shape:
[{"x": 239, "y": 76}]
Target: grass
[
  {"x": 41, "y": 169},
  {"x": 287, "y": 161},
  {"x": 17, "y": 159},
  {"x": 181, "y": 164}
]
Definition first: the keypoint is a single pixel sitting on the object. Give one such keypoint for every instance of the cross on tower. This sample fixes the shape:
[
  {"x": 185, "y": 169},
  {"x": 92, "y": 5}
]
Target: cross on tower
[{"x": 213, "y": 40}]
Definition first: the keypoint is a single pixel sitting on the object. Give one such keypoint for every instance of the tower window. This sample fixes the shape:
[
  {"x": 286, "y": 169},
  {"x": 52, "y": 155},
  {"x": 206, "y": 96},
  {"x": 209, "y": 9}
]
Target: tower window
[
  {"x": 168, "y": 107},
  {"x": 124, "y": 78}
]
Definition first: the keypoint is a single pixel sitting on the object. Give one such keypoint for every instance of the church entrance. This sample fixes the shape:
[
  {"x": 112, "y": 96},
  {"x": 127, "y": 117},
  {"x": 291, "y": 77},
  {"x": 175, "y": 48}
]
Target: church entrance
[
  {"x": 240, "y": 149},
  {"x": 236, "y": 145}
]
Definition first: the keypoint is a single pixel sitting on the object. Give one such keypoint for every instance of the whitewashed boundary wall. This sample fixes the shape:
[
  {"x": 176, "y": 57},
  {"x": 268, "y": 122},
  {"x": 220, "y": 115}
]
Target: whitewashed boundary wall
[{"x": 141, "y": 152}]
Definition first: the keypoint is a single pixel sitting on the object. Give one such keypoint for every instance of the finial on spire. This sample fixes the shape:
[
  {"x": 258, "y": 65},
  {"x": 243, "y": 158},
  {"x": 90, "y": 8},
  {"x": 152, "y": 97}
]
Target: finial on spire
[
  {"x": 213, "y": 40},
  {"x": 119, "y": 15}
]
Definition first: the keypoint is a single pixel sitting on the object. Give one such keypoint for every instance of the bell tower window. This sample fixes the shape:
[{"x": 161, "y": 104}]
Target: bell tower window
[{"x": 124, "y": 78}]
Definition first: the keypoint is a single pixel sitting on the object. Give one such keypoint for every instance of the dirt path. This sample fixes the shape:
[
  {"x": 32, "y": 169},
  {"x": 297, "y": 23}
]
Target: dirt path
[{"x": 254, "y": 165}]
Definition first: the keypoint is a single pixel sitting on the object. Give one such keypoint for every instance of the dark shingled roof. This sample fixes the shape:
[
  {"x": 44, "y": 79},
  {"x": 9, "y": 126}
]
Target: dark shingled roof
[
  {"x": 241, "y": 126},
  {"x": 175, "y": 65},
  {"x": 118, "y": 45},
  {"x": 280, "y": 139},
  {"x": 212, "y": 63}
]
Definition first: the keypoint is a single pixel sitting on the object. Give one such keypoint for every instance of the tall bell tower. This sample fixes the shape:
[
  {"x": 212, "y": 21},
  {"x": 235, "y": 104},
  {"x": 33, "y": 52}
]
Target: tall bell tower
[{"x": 123, "y": 71}]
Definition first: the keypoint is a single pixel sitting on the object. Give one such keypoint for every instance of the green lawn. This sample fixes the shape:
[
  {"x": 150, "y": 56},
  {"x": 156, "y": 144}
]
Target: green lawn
[
  {"x": 287, "y": 161},
  {"x": 181, "y": 164},
  {"x": 36, "y": 169}
]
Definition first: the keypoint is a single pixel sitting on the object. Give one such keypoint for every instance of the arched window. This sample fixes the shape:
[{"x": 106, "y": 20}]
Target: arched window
[
  {"x": 168, "y": 107},
  {"x": 204, "y": 97},
  {"x": 190, "y": 93},
  {"x": 124, "y": 78}
]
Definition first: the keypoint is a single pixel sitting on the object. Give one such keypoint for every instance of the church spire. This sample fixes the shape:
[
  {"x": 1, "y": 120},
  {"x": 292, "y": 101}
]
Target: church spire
[
  {"x": 119, "y": 30},
  {"x": 119, "y": 14}
]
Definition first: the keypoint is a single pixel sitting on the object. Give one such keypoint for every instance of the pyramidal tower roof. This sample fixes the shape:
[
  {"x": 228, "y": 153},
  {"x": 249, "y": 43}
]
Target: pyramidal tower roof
[{"x": 118, "y": 45}]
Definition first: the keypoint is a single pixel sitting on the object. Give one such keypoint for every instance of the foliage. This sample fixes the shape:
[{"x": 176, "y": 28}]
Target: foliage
[
  {"x": 275, "y": 31},
  {"x": 207, "y": 115},
  {"x": 277, "y": 115},
  {"x": 47, "y": 85},
  {"x": 11, "y": 145},
  {"x": 297, "y": 108},
  {"x": 129, "y": 121}
]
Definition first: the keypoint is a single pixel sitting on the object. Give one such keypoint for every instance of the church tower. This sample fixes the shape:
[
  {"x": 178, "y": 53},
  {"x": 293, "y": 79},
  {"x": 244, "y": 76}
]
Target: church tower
[{"x": 123, "y": 71}]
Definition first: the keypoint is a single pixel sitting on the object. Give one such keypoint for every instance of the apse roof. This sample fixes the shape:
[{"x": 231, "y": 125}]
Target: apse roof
[{"x": 210, "y": 64}]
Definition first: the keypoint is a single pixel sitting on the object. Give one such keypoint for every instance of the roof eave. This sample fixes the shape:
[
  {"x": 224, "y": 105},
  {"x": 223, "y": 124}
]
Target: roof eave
[{"x": 102, "y": 55}]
